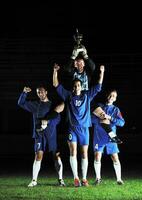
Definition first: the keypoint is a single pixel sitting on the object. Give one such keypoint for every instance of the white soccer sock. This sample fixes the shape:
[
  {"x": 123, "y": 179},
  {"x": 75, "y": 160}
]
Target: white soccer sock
[
  {"x": 36, "y": 168},
  {"x": 117, "y": 168},
  {"x": 73, "y": 164},
  {"x": 59, "y": 168},
  {"x": 97, "y": 167},
  {"x": 111, "y": 134},
  {"x": 84, "y": 167}
]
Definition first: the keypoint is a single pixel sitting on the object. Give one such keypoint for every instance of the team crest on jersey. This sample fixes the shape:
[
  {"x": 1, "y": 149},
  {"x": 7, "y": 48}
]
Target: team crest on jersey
[{"x": 70, "y": 136}]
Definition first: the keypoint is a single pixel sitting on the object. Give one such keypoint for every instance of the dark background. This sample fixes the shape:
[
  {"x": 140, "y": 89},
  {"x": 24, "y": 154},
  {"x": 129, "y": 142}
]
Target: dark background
[{"x": 33, "y": 37}]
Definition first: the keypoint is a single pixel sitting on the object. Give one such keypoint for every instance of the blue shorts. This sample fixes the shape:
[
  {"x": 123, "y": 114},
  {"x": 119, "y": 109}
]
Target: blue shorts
[
  {"x": 79, "y": 135},
  {"x": 100, "y": 136},
  {"x": 110, "y": 147},
  {"x": 47, "y": 138}
]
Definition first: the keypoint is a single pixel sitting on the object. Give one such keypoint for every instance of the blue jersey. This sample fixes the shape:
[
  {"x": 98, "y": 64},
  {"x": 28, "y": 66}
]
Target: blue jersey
[
  {"x": 79, "y": 105},
  {"x": 38, "y": 109}
]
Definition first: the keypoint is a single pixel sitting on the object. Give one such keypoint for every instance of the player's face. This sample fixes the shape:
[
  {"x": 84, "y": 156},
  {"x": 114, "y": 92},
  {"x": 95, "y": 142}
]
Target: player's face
[
  {"x": 41, "y": 93},
  {"x": 77, "y": 87},
  {"x": 112, "y": 97},
  {"x": 79, "y": 64}
]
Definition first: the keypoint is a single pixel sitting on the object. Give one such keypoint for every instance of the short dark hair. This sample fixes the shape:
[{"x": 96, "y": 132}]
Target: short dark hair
[
  {"x": 42, "y": 86},
  {"x": 110, "y": 91},
  {"x": 76, "y": 80},
  {"x": 79, "y": 58}
]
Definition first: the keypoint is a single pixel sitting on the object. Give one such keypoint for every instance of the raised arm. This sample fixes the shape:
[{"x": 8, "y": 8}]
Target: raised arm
[
  {"x": 22, "y": 102},
  {"x": 101, "y": 77},
  {"x": 97, "y": 88},
  {"x": 56, "y": 67},
  {"x": 22, "y": 98}
]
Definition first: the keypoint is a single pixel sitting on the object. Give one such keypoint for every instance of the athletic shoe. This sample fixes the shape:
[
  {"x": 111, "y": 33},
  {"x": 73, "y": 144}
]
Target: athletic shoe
[
  {"x": 32, "y": 183},
  {"x": 61, "y": 182},
  {"x": 98, "y": 181},
  {"x": 120, "y": 182},
  {"x": 116, "y": 140},
  {"x": 84, "y": 182},
  {"x": 77, "y": 182}
]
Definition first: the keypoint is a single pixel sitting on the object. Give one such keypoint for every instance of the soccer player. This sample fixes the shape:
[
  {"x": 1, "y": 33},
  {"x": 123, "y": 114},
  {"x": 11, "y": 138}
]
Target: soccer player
[
  {"x": 78, "y": 106},
  {"x": 113, "y": 114},
  {"x": 40, "y": 108}
]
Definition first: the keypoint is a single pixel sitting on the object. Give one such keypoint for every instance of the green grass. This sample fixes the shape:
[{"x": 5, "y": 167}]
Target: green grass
[{"x": 15, "y": 188}]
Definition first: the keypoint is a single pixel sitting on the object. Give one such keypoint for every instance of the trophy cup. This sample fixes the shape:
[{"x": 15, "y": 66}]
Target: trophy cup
[{"x": 78, "y": 38}]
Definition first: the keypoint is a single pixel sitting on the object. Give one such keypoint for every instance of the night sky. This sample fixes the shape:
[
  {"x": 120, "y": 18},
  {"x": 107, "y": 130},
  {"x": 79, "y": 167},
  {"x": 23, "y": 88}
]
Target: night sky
[{"x": 33, "y": 37}]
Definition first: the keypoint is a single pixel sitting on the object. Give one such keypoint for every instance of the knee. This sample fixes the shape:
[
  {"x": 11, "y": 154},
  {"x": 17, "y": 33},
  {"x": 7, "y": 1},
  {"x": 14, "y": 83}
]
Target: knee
[
  {"x": 39, "y": 156},
  {"x": 115, "y": 158},
  {"x": 97, "y": 157},
  {"x": 84, "y": 155}
]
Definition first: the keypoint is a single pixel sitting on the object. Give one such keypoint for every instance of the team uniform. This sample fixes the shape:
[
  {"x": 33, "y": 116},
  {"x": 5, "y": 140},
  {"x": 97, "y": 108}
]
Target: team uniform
[
  {"x": 40, "y": 109},
  {"x": 78, "y": 107},
  {"x": 100, "y": 138}
]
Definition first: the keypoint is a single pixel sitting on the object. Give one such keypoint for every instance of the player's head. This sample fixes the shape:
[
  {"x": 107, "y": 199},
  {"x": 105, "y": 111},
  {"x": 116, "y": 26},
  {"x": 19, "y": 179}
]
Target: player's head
[
  {"x": 111, "y": 96},
  {"x": 79, "y": 64},
  {"x": 77, "y": 86},
  {"x": 41, "y": 93}
]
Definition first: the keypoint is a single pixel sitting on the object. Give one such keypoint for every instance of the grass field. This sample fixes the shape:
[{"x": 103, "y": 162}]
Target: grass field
[{"x": 15, "y": 188}]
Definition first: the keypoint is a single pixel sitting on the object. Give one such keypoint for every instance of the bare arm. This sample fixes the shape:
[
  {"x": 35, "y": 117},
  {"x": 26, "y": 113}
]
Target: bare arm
[
  {"x": 102, "y": 69},
  {"x": 56, "y": 67}
]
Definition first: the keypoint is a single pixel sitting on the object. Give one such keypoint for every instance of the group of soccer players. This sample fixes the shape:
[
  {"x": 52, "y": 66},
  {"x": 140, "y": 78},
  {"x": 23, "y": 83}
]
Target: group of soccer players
[{"x": 77, "y": 101}]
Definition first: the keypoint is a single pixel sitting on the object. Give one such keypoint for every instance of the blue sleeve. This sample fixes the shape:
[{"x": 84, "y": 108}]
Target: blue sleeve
[
  {"x": 62, "y": 92},
  {"x": 55, "y": 121},
  {"x": 27, "y": 105},
  {"x": 94, "y": 90},
  {"x": 117, "y": 120},
  {"x": 94, "y": 119}
]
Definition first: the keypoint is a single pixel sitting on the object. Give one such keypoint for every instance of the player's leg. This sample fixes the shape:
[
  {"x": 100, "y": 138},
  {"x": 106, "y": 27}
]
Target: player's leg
[
  {"x": 83, "y": 138},
  {"x": 117, "y": 168},
  {"x": 111, "y": 134},
  {"x": 36, "y": 168},
  {"x": 74, "y": 163},
  {"x": 52, "y": 140},
  {"x": 59, "y": 167},
  {"x": 97, "y": 165},
  {"x": 39, "y": 147},
  {"x": 98, "y": 146},
  {"x": 43, "y": 122},
  {"x": 72, "y": 143},
  {"x": 84, "y": 164},
  {"x": 54, "y": 113}
]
